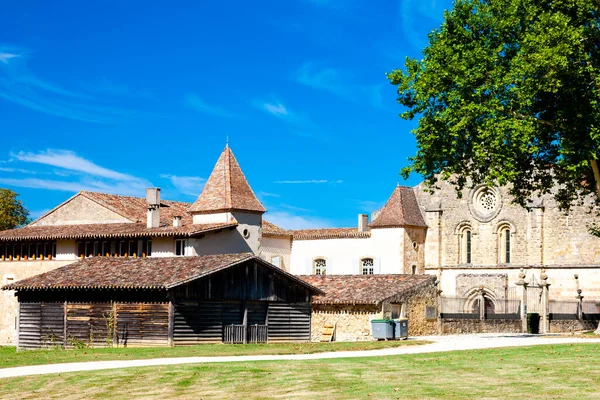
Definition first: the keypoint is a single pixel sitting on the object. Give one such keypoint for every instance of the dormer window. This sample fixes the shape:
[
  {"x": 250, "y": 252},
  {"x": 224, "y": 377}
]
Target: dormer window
[{"x": 180, "y": 247}]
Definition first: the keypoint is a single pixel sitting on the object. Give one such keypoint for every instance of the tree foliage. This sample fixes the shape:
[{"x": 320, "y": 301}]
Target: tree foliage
[
  {"x": 12, "y": 212},
  {"x": 507, "y": 92}
]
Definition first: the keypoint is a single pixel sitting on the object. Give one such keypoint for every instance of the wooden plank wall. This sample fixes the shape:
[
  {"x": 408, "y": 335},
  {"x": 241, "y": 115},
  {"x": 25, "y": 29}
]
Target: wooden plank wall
[
  {"x": 198, "y": 322},
  {"x": 41, "y": 325},
  {"x": 289, "y": 322},
  {"x": 87, "y": 324},
  {"x": 96, "y": 324},
  {"x": 142, "y": 324},
  {"x": 250, "y": 281}
]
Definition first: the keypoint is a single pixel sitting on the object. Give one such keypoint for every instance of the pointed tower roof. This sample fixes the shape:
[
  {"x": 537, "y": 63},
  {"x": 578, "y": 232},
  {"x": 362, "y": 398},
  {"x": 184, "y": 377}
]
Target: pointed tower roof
[
  {"x": 226, "y": 189},
  {"x": 402, "y": 209}
]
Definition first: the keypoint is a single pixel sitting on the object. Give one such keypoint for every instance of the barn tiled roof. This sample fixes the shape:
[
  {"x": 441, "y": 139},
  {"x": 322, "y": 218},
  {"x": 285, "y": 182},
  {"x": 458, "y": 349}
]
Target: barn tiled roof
[
  {"x": 117, "y": 230},
  {"x": 227, "y": 189},
  {"x": 138, "y": 273},
  {"x": 402, "y": 209},
  {"x": 329, "y": 233},
  {"x": 269, "y": 229},
  {"x": 363, "y": 289}
]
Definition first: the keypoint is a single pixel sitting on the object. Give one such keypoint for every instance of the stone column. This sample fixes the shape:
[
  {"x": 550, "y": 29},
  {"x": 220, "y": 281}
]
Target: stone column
[
  {"x": 545, "y": 302},
  {"x": 521, "y": 282},
  {"x": 481, "y": 303},
  {"x": 579, "y": 297},
  {"x": 579, "y": 305}
]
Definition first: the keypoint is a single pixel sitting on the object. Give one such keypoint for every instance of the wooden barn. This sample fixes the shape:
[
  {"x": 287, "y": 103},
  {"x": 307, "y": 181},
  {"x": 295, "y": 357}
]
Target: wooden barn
[{"x": 232, "y": 298}]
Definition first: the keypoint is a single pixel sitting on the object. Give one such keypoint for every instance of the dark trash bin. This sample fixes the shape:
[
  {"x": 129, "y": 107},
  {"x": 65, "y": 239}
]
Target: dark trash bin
[
  {"x": 401, "y": 329},
  {"x": 382, "y": 329}
]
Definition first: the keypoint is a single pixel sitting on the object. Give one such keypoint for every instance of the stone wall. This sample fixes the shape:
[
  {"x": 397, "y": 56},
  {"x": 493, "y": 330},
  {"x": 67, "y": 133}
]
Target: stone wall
[
  {"x": 454, "y": 326},
  {"x": 414, "y": 250},
  {"x": 416, "y": 302},
  {"x": 10, "y": 272},
  {"x": 567, "y": 326},
  {"x": 80, "y": 210},
  {"x": 541, "y": 235},
  {"x": 353, "y": 321}
]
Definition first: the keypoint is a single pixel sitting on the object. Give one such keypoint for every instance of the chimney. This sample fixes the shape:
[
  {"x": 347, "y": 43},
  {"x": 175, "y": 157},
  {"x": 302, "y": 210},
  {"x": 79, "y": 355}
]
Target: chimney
[
  {"x": 153, "y": 200},
  {"x": 363, "y": 222},
  {"x": 177, "y": 223}
]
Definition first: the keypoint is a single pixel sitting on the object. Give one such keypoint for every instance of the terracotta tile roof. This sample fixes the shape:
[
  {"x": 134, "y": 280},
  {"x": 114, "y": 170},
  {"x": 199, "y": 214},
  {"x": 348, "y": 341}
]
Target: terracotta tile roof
[
  {"x": 363, "y": 289},
  {"x": 269, "y": 229},
  {"x": 135, "y": 208},
  {"x": 139, "y": 273},
  {"x": 402, "y": 209},
  {"x": 85, "y": 231},
  {"x": 329, "y": 233},
  {"x": 227, "y": 189}
]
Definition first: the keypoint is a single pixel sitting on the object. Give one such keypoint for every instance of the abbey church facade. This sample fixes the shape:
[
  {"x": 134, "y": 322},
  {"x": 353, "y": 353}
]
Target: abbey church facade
[{"x": 480, "y": 242}]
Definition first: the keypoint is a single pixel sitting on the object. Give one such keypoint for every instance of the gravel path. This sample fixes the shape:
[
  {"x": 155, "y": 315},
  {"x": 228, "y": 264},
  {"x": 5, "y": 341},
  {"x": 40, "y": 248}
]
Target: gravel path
[{"x": 441, "y": 343}]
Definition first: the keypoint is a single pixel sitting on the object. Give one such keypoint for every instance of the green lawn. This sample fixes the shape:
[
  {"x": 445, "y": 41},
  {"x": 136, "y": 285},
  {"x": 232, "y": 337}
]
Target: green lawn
[
  {"x": 10, "y": 358},
  {"x": 541, "y": 372}
]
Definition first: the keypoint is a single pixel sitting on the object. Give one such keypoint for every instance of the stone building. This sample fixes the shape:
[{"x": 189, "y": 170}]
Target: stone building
[
  {"x": 350, "y": 302},
  {"x": 478, "y": 246}
]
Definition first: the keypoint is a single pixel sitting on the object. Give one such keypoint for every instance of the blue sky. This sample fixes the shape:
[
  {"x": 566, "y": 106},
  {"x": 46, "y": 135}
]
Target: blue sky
[{"x": 117, "y": 96}]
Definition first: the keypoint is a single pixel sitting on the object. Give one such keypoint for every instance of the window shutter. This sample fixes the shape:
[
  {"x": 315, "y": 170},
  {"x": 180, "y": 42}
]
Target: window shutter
[
  {"x": 356, "y": 267},
  {"x": 376, "y": 266}
]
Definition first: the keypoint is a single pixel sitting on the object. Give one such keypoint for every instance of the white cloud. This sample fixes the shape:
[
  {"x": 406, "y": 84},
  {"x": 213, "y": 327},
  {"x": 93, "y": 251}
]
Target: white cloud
[
  {"x": 195, "y": 102},
  {"x": 339, "y": 83},
  {"x": 267, "y": 194},
  {"x": 122, "y": 188},
  {"x": 69, "y": 160},
  {"x": 84, "y": 174},
  {"x": 293, "y": 208},
  {"x": 329, "y": 79},
  {"x": 289, "y": 221},
  {"x": 189, "y": 185},
  {"x": 20, "y": 85},
  {"x": 310, "y": 181},
  {"x": 275, "y": 109},
  {"x": 4, "y": 57}
]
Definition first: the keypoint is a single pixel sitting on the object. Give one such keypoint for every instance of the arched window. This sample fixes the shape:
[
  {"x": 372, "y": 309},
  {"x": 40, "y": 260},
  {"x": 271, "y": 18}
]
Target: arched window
[
  {"x": 320, "y": 266},
  {"x": 504, "y": 244},
  {"x": 465, "y": 240},
  {"x": 367, "y": 266}
]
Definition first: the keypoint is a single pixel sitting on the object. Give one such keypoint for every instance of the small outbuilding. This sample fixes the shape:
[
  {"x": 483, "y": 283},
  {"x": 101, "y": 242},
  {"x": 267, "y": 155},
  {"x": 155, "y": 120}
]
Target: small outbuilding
[
  {"x": 350, "y": 302},
  {"x": 233, "y": 298}
]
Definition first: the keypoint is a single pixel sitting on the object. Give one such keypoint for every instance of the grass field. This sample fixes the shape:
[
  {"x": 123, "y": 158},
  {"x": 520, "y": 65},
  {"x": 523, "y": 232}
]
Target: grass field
[
  {"x": 10, "y": 358},
  {"x": 540, "y": 372}
]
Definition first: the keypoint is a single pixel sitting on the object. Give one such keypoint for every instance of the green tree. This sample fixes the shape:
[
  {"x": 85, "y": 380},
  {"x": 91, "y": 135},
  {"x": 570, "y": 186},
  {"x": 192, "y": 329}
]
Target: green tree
[
  {"x": 507, "y": 93},
  {"x": 12, "y": 212}
]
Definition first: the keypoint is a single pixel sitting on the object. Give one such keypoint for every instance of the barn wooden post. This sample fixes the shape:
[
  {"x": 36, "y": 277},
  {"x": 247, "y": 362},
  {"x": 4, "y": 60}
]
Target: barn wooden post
[
  {"x": 65, "y": 341},
  {"x": 170, "y": 334},
  {"x": 245, "y": 322},
  {"x": 19, "y": 327}
]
